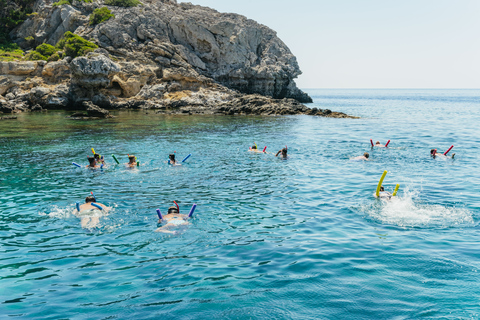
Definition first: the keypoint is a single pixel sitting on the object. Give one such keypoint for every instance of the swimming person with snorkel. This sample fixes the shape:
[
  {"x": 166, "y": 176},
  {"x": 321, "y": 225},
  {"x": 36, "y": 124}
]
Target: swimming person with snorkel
[
  {"x": 254, "y": 148},
  {"x": 383, "y": 194},
  {"x": 90, "y": 212},
  {"x": 173, "y": 219},
  {"x": 378, "y": 144},
  {"x": 92, "y": 163},
  {"x": 172, "y": 161},
  {"x": 132, "y": 161},
  {"x": 283, "y": 153},
  {"x": 434, "y": 153},
  {"x": 99, "y": 159}
]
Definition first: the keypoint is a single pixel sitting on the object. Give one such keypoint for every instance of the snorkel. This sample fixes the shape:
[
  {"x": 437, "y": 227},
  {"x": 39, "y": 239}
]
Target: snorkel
[{"x": 178, "y": 208}]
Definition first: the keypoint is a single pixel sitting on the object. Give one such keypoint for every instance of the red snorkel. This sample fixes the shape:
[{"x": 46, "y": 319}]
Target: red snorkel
[{"x": 178, "y": 208}]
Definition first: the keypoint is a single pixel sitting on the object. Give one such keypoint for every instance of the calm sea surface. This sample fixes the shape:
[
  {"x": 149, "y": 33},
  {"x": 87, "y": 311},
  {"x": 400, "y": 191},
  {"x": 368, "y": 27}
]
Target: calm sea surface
[{"x": 296, "y": 239}]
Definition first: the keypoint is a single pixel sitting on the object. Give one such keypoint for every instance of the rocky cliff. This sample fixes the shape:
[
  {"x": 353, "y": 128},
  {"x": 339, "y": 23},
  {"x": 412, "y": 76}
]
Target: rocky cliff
[{"x": 160, "y": 54}]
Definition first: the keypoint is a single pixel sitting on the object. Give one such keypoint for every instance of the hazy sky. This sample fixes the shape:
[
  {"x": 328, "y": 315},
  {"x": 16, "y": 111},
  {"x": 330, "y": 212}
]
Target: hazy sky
[{"x": 373, "y": 43}]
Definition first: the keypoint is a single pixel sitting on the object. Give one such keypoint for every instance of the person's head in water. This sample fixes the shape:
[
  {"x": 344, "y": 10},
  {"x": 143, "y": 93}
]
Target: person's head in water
[
  {"x": 173, "y": 210},
  {"x": 131, "y": 159},
  {"x": 382, "y": 189},
  {"x": 378, "y": 142},
  {"x": 254, "y": 147},
  {"x": 172, "y": 157},
  {"x": 432, "y": 152},
  {"x": 284, "y": 152},
  {"x": 96, "y": 156},
  {"x": 366, "y": 155},
  {"x": 90, "y": 199},
  {"x": 92, "y": 161}
]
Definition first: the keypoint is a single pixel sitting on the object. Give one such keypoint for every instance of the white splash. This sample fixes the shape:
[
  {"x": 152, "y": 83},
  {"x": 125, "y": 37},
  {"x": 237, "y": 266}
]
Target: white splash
[
  {"x": 59, "y": 213},
  {"x": 406, "y": 211}
]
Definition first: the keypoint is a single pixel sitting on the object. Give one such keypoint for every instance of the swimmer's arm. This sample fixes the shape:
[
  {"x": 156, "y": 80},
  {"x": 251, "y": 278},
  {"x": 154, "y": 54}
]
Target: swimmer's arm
[{"x": 278, "y": 152}]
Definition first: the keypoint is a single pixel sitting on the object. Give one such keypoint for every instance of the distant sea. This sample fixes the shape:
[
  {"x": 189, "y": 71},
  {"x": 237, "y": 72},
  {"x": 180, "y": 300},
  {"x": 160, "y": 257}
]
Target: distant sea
[{"x": 297, "y": 239}]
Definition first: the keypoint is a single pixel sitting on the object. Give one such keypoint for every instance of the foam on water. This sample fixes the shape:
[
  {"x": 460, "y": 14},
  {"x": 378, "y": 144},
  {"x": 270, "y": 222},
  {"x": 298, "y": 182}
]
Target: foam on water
[{"x": 409, "y": 210}]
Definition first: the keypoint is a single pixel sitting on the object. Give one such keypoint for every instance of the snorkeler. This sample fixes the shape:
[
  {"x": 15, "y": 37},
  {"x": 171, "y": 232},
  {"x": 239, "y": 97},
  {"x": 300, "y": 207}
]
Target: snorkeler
[
  {"x": 92, "y": 163},
  {"x": 172, "y": 161},
  {"x": 378, "y": 144},
  {"x": 364, "y": 157},
  {"x": 383, "y": 194},
  {"x": 90, "y": 212},
  {"x": 132, "y": 161},
  {"x": 283, "y": 152},
  {"x": 99, "y": 159},
  {"x": 172, "y": 220},
  {"x": 254, "y": 148},
  {"x": 434, "y": 153}
]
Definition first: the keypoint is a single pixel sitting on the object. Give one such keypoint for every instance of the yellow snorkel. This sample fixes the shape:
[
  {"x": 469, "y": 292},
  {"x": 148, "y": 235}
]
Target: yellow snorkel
[
  {"x": 395, "y": 191},
  {"x": 377, "y": 193}
]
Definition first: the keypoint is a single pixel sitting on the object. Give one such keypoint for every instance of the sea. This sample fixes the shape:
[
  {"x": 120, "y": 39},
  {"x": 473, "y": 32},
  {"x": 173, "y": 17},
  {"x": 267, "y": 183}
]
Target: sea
[{"x": 301, "y": 238}]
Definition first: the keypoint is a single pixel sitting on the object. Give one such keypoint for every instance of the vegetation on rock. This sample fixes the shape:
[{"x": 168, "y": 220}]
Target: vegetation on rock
[
  {"x": 75, "y": 45},
  {"x": 46, "y": 49},
  {"x": 62, "y": 2},
  {"x": 100, "y": 15},
  {"x": 123, "y": 3},
  {"x": 42, "y": 52},
  {"x": 10, "y": 51},
  {"x": 34, "y": 55}
]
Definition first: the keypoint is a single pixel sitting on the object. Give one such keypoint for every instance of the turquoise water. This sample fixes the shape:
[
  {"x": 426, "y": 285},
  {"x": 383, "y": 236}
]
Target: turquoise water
[{"x": 301, "y": 238}]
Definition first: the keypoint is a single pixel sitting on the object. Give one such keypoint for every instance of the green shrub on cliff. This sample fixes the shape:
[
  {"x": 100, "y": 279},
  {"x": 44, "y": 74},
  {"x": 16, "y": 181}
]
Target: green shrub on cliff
[
  {"x": 100, "y": 15},
  {"x": 10, "y": 51},
  {"x": 46, "y": 49},
  {"x": 123, "y": 3},
  {"x": 54, "y": 57},
  {"x": 75, "y": 45},
  {"x": 42, "y": 52},
  {"x": 34, "y": 55},
  {"x": 62, "y": 2}
]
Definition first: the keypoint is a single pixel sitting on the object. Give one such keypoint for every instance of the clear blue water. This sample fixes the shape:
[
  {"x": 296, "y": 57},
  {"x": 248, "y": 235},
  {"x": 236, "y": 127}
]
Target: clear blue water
[{"x": 301, "y": 238}]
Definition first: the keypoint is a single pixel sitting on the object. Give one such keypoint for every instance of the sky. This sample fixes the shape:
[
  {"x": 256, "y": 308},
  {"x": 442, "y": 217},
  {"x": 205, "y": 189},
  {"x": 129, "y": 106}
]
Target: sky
[{"x": 373, "y": 43}]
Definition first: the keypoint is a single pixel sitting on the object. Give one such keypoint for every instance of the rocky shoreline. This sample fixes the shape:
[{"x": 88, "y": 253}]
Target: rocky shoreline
[{"x": 168, "y": 57}]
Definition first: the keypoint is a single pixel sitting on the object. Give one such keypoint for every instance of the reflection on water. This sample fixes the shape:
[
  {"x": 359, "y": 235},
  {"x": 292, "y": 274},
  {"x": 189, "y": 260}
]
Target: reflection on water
[{"x": 269, "y": 238}]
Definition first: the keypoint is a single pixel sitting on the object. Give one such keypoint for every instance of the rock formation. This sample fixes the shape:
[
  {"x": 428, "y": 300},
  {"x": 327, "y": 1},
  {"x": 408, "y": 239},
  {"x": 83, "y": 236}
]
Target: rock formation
[{"x": 163, "y": 55}]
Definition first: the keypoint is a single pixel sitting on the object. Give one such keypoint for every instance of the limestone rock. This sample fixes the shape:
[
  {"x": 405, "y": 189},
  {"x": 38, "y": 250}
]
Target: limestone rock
[
  {"x": 57, "y": 70},
  {"x": 93, "y": 70},
  {"x": 18, "y": 67},
  {"x": 96, "y": 111}
]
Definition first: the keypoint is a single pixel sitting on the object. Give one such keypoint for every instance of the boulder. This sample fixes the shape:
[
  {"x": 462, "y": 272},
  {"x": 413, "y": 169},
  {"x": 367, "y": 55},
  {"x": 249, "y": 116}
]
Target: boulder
[
  {"x": 18, "y": 67},
  {"x": 93, "y": 71},
  {"x": 95, "y": 111}
]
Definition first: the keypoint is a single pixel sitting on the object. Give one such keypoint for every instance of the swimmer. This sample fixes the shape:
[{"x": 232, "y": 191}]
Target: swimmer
[
  {"x": 383, "y": 194},
  {"x": 93, "y": 163},
  {"x": 284, "y": 153},
  {"x": 89, "y": 214},
  {"x": 254, "y": 149},
  {"x": 378, "y": 144},
  {"x": 99, "y": 159},
  {"x": 364, "y": 157},
  {"x": 132, "y": 161},
  {"x": 172, "y": 220},
  {"x": 434, "y": 153},
  {"x": 172, "y": 161}
]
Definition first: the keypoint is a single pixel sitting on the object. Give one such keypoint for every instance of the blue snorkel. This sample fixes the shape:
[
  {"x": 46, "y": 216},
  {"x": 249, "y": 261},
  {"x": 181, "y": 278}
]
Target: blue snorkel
[{"x": 192, "y": 210}]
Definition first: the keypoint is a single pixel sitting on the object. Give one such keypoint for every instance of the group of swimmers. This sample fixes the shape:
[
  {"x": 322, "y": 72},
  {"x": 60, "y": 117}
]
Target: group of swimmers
[
  {"x": 433, "y": 152},
  {"x": 91, "y": 210},
  {"x": 282, "y": 152}
]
